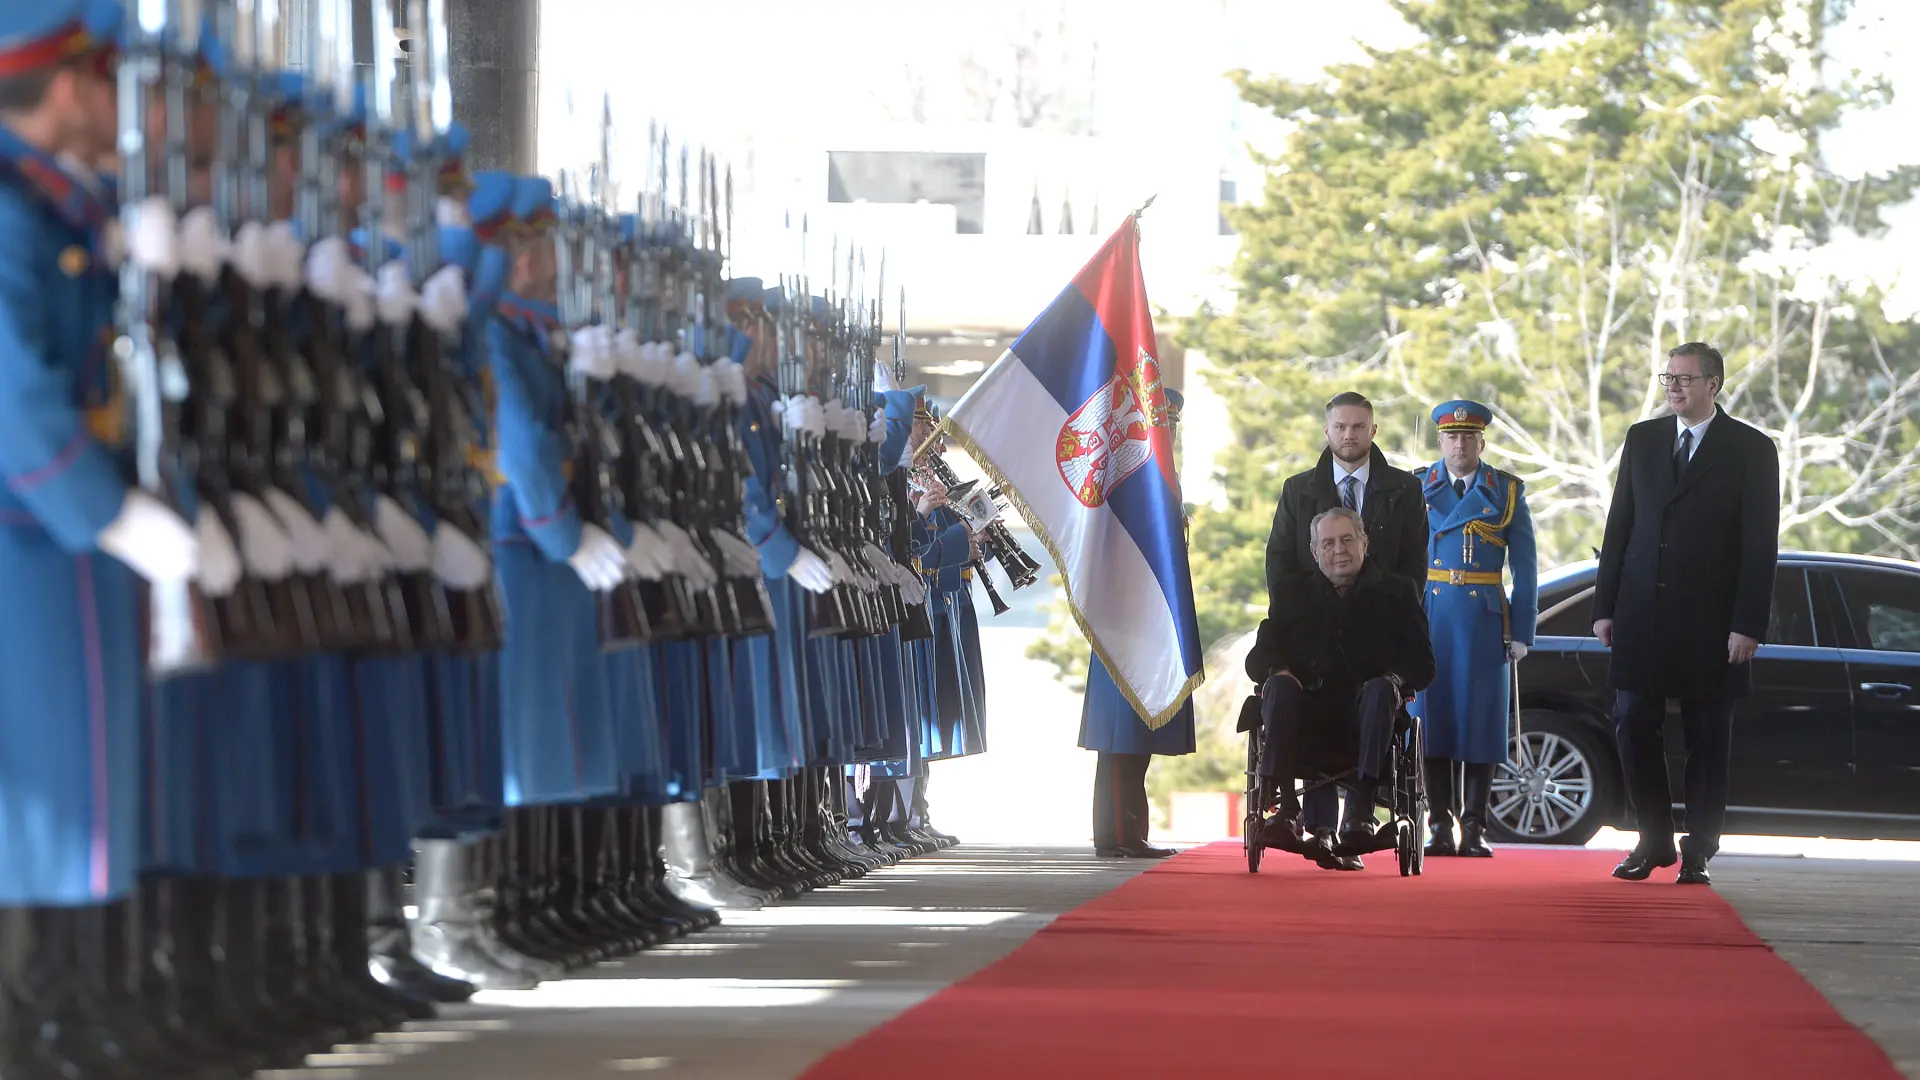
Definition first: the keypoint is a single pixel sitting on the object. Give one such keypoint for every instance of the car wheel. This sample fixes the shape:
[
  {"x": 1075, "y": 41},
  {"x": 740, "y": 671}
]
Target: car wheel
[{"x": 1557, "y": 786}]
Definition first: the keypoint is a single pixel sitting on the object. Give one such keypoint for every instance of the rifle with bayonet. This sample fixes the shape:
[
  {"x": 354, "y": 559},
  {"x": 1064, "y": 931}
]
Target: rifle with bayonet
[
  {"x": 732, "y": 465},
  {"x": 454, "y": 489},
  {"x": 182, "y": 633}
]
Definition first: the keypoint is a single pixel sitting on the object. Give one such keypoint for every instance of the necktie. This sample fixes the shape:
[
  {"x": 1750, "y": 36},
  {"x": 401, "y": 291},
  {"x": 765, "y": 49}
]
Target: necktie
[
  {"x": 1460, "y": 488},
  {"x": 1684, "y": 454},
  {"x": 1348, "y": 494}
]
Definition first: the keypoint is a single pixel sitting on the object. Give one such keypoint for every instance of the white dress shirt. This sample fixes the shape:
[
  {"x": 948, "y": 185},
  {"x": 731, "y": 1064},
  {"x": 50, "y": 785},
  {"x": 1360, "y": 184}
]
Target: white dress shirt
[{"x": 1699, "y": 432}]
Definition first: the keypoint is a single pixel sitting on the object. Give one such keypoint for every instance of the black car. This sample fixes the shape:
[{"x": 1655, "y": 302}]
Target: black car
[{"x": 1827, "y": 745}]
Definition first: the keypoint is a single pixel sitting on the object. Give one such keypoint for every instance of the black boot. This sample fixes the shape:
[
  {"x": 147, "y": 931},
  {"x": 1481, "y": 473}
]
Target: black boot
[
  {"x": 611, "y": 898},
  {"x": 518, "y": 909},
  {"x": 646, "y": 875},
  {"x": 211, "y": 979},
  {"x": 1440, "y": 802},
  {"x": 159, "y": 978},
  {"x": 1477, "y": 794},
  {"x": 765, "y": 838},
  {"x": 139, "y": 1010}
]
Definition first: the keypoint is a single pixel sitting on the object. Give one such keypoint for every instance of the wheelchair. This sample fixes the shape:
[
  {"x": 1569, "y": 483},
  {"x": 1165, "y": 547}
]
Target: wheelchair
[{"x": 1404, "y": 787}]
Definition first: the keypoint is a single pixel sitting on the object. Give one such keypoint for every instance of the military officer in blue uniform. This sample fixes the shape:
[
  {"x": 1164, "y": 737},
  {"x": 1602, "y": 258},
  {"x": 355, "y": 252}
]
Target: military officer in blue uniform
[
  {"x": 1126, "y": 746},
  {"x": 1479, "y": 528}
]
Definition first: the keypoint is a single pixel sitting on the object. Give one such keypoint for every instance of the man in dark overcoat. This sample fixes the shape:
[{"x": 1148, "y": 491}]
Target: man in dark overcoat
[{"x": 1684, "y": 590}]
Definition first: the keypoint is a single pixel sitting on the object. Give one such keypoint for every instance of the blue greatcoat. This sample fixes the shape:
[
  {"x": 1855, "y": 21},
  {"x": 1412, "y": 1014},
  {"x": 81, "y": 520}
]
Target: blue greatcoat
[
  {"x": 69, "y": 647},
  {"x": 556, "y": 743},
  {"x": 1466, "y": 709},
  {"x": 778, "y": 703},
  {"x": 1108, "y": 723},
  {"x": 941, "y": 546}
]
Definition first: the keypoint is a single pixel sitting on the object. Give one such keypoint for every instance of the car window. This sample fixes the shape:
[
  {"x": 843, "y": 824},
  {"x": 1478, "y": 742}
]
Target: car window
[
  {"x": 1791, "y": 622},
  {"x": 1574, "y": 619},
  {"x": 1884, "y": 608}
]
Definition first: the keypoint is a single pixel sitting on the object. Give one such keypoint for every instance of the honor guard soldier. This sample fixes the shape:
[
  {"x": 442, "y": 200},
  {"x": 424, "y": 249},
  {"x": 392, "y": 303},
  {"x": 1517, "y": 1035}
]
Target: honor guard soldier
[
  {"x": 75, "y": 538},
  {"x": 1479, "y": 526}
]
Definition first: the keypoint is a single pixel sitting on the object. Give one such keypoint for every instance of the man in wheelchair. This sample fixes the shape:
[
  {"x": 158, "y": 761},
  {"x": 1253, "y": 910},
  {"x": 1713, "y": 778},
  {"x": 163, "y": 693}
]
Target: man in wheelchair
[{"x": 1343, "y": 648}]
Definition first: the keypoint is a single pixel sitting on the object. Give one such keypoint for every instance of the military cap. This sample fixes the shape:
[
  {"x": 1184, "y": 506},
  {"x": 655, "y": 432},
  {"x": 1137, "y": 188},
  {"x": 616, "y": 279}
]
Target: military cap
[
  {"x": 1175, "y": 402},
  {"x": 743, "y": 290},
  {"x": 453, "y": 166},
  {"x": 1463, "y": 416},
  {"x": 774, "y": 299},
  {"x": 533, "y": 201},
  {"x": 38, "y": 36},
  {"x": 490, "y": 204}
]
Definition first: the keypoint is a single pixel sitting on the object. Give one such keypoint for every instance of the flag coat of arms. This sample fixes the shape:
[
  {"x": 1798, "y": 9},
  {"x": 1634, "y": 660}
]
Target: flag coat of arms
[{"x": 1072, "y": 423}]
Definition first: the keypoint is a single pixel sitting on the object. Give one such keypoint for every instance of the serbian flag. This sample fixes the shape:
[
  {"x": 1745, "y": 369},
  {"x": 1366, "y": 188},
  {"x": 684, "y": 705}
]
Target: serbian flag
[{"x": 1072, "y": 423}]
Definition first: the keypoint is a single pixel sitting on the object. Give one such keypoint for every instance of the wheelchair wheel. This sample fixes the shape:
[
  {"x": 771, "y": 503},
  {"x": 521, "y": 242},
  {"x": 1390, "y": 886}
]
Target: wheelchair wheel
[
  {"x": 1253, "y": 845},
  {"x": 1408, "y": 849}
]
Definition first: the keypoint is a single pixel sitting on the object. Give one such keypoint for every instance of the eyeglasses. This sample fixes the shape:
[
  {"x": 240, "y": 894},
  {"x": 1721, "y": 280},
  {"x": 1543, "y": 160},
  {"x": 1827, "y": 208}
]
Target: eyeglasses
[{"x": 1668, "y": 378}]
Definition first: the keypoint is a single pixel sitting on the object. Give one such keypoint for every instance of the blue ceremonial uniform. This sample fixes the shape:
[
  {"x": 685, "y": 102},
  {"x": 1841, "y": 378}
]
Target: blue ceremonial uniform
[
  {"x": 1473, "y": 537},
  {"x": 555, "y": 738},
  {"x": 1478, "y": 527},
  {"x": 69, "y": 649}
]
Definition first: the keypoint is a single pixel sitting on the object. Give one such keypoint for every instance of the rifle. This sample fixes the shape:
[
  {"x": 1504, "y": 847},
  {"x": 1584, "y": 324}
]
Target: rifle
[
  {"x": 253, "y": 450},
  {"x": 918, "y": 623},
  {"x": 454, "y": 488},
  {"x": 748, "y": 587},
  {"x": 181, "y": 631},
  {"x": 622, "y": 612},
  {"x": 805, "y": 505},
  {"x": 401, "y": 419}
]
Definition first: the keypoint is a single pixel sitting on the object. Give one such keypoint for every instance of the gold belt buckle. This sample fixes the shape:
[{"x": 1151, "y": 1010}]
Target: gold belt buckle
[{"x": 1456, "y": 577}]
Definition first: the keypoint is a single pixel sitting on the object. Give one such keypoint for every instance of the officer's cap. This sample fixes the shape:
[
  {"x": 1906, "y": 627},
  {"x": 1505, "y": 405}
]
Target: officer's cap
[
  {"x": 900, "y": 404},
  {"x": 1463, "y": 416},
  {"x": 533, "y": 202},
  {"x": 742, "y": 290},
  {"x": 490, "y": 204},
  {"x": 38, "y": 36}
]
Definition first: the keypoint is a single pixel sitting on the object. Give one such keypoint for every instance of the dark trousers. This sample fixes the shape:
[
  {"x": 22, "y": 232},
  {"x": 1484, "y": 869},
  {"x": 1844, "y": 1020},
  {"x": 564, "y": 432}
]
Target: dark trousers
[
  {"x": 1120, "y": 800},
  {"x": 1639, "y": 722},
  {"x": 1285, "y": 709}
]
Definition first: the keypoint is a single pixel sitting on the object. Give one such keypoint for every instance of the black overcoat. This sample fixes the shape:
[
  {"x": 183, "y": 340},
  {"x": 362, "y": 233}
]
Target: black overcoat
[
  {"x": 1333, "y": 644},
  {"x": 1395, "y": 511},
  {"x": 1686, "y": 563}
]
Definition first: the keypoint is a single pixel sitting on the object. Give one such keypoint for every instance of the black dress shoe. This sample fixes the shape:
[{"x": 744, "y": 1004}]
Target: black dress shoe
[
  {"x": 1327, "y": 860},
  {"x": 1441, "y": 846},
  {"x": 1639, "y": 867},
  {"x": 1144, "y": 851},
  {"x": 1283, "y": 832},
  {"x": 1366, "y": 838},
  {"x": 1693, "y": 871},
  {"x": 1473, "y": 845}
]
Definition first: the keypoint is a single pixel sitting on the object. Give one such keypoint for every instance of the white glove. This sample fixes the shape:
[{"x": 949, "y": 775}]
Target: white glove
[
  {"x": 375, "y": 555},
  {"x": 152, "y": 234},
  {"x": 394, "y": 298},
  {"x": 309, "y": 540},
  {"x": 346, "y": 549},
  {"x": 913, "y": 587},
  {"x": 443, "y": 300},
  {"x": 649, "y": 554},
  {"x": 152, "y": 539},
  {"x": 203, "y": 247},
  {"x": 599, "y": 560},
  {"x": 741, "y": 558},
  {"x": 1516, "y": 650},
  {"x": 842, "y": 574},
  {"x": 265, "y": 546},
  {"x": 882, "y": 566},
  {"x": 403, "y": 535},
  {"x": 810, "y": 572},
  {"x": 220, "y": 568},
  {"x": 687, "y": 556},
  {"x": 877, "y": 430},
  {"x": 459, "y": 562}
]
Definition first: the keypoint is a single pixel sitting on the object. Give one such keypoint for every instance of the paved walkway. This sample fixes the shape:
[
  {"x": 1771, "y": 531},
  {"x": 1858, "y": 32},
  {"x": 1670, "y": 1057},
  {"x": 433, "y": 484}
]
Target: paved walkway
[{"x": 768, "y": 992}]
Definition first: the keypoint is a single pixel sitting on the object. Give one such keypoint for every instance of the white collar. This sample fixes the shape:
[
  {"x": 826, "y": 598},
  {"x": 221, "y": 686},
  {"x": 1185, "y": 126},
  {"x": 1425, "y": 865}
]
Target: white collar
[
  {"x": 1341, "y": 472},
  {"x": 1471, "y": 478},
  {"x": 1698, "y": 429}
]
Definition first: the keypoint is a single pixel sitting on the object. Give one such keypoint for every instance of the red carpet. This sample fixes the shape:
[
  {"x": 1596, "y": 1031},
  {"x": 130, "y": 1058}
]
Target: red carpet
[{"x": 1535, "y": 963}]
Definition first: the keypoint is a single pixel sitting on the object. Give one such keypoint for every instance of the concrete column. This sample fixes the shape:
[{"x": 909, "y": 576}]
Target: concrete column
[{"x": 495, "y": 61}]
